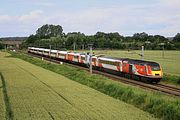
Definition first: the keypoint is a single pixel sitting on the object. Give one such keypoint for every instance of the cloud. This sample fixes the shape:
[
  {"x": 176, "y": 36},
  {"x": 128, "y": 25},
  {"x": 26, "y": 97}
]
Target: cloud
[
  {"x": 27, "y": 18},
  {"x": 161, "y": 17},
  {"x": 21, "y": 25},
  {"x": 126, "y": 20},
  {"x": 4, "y": 18},
  {"x": 33, "y": 16},
  {"x": 42, "y": 3},
  {"x": 79, "y": 20},
  {"x": 172, "y": 3}
]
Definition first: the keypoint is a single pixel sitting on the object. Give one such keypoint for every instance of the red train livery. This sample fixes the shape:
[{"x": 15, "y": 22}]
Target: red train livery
[{"x": 151, "y": 71}]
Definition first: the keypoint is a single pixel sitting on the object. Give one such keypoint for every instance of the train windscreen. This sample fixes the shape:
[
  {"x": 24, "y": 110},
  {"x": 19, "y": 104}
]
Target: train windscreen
[{"x": 155, "y": 67}]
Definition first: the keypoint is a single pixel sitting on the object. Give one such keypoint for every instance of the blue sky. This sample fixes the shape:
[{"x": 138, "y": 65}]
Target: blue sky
[{"x": 23, "y": 17}]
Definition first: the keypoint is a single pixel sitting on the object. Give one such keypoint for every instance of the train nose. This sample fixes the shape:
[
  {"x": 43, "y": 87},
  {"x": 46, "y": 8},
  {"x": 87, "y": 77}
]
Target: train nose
[{"x": 156, "y": 73}]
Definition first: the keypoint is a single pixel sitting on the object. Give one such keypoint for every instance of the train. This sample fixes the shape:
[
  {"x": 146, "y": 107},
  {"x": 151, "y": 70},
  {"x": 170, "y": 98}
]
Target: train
[{"x": 138, "y": 69}]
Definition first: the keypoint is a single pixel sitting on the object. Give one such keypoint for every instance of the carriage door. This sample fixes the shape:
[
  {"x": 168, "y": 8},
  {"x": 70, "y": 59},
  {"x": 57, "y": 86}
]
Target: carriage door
[{"x": 130, "y": 69}]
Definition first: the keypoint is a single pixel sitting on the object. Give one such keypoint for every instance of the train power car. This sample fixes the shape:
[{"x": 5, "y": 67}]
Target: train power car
[{"x": 150, "y": 71}]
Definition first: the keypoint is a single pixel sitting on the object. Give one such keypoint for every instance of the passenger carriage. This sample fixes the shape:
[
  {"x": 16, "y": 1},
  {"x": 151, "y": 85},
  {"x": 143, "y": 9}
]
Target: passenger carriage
[
  {"x": 109, "y": 63},
  {"x": 151, "y": 71},
  {"x": 62, "y": 54}
]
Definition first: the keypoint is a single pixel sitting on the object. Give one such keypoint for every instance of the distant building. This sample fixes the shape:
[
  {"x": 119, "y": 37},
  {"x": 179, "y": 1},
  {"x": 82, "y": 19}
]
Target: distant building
[{"x": 12, "y": 42}]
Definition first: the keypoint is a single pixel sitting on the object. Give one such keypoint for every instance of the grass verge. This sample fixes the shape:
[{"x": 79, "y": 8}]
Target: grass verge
[
  {"x": 155, "y": 103},
  {"x": 9, "y": 112},
  {"x": 173, "y": 79}
]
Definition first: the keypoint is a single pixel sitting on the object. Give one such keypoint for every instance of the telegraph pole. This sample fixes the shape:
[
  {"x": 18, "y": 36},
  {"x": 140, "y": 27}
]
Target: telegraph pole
[
  {"x": 163, "y": 51},
  {"x": 50, "y": 52},
  {"x": 90, "y": 68},
  {"x": 83, "y": 47},
  {"x": 162, "y": 44},
  {"x": 74, "y": 46},
  {"x": 5, "y": 49},
  {"x": 142, "y": 53}
]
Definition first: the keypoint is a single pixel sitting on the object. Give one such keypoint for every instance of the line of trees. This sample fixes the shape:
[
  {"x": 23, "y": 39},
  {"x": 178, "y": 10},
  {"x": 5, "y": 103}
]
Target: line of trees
[{"x": 53, "y": 35}]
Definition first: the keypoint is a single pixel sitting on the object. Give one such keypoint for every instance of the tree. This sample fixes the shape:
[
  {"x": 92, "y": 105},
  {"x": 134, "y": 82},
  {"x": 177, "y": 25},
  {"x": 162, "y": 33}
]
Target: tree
[
  {"x": 53, "y": 35},
  {"x": 31, "y": 39},
  {"x": 47, "y": 31},
  {"x": 159, "y": 38},
  {"x": 177, "y": 38},
  {"x": 140, "y": 36},
  {"x": 115, "y": 36},
  {"x": 76, "y": 38},
  {"x": 1, "y": 46}
]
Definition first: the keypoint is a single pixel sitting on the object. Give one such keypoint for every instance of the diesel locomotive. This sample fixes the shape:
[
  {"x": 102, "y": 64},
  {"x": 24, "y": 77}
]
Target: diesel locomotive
[{"x": 146, "y": 70}]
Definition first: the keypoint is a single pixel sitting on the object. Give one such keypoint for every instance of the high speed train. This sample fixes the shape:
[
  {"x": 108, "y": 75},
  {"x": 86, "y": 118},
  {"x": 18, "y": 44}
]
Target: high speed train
[{"x": 147, "y": 70}]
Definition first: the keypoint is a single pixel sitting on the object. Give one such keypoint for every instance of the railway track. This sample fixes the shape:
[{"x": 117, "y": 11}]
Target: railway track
[{"x": 164, "y": 88}]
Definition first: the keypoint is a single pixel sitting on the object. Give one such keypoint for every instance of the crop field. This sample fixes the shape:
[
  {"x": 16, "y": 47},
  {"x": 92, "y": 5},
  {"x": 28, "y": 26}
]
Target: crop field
[
  {"x": 2, "y": 104},
  {"x": 170, "y": 63},
  {"x": 36, "y": 93}
]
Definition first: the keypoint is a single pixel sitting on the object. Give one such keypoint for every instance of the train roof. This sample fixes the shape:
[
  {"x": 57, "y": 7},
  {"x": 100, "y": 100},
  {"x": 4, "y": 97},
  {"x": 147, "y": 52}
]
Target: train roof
[
  {"x": 36, "y": 48},
  {"x": 74, "y": 53},
  {"x": 109, "y": 58},
  {"x": 54, "y": 51},
  {"x": 63, "y": 52},
  {"x": 132, "y": 61},
  {"x": 47, "y": 50}
]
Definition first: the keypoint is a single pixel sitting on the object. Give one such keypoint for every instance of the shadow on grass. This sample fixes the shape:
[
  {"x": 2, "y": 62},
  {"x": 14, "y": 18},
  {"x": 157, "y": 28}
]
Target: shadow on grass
[{"x": 9, "y": 112}]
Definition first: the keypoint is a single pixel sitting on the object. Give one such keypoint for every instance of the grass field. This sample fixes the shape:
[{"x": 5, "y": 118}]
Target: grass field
[
  {"x": 170, "y": 63},
  {"x": 36, "y": 93},
  {"x": 2, "y": 104},
  {"x": 3, "y": 112}
]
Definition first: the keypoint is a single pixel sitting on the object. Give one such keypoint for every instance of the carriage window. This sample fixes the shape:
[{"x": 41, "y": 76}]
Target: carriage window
[
  {"x": 82, "y": 58},
  {"x": 109, "y": 62},
  {"x": 94, "y": 59},
  {"x": 53, "y": 53},
  {"x": 76, "y": 57},
  {"x": 62, "y": 54}
]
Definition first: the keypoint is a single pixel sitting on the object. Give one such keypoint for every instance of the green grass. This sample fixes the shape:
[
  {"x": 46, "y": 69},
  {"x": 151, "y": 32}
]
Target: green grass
[
  {"x": 36, "y": 93},
  {"x": 162, "y": 106},
  {"x": 2, "y": 104},
  {"x": 4, "y": 54},
  {"x": 3, "y": 111}
]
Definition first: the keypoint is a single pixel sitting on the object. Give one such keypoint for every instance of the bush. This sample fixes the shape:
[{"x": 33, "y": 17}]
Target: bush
[{"x": 171, "y": 79}]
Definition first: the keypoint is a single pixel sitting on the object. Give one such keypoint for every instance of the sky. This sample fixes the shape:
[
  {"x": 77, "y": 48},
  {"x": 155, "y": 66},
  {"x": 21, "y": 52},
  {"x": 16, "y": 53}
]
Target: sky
[{"x": 24, "y": 17}]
